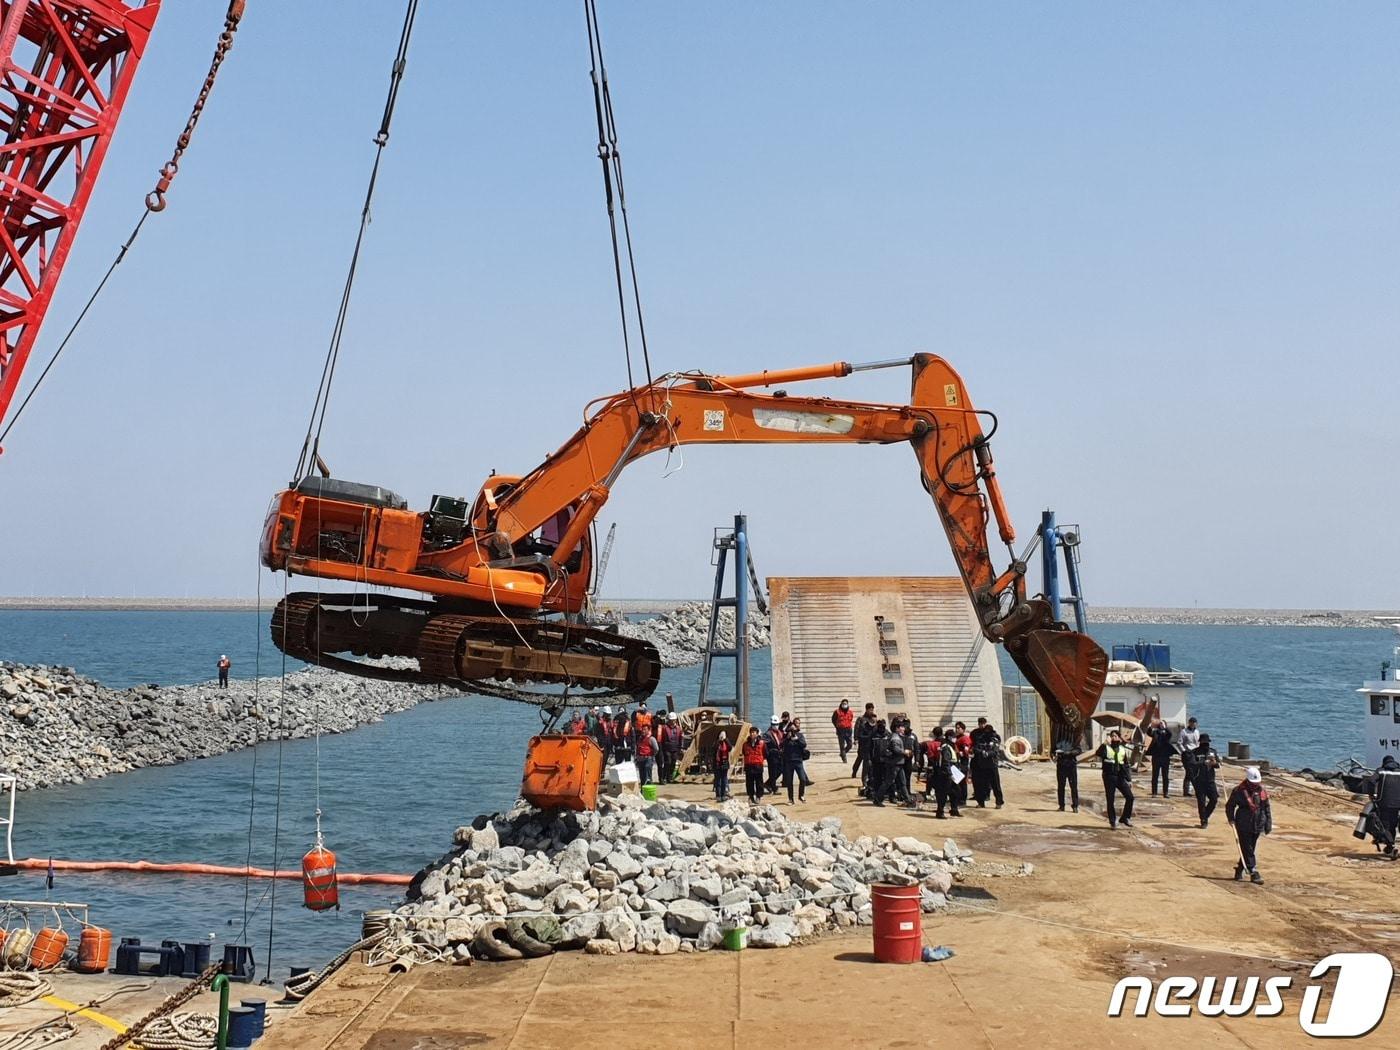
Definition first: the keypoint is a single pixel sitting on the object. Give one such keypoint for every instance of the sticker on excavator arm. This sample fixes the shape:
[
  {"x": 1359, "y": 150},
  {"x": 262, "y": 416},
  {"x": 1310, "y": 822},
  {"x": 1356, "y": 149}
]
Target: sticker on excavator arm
[
  {"x": 802, "y": 422},
  {"x": 714, "y": 419},
  {"x": 950, "y": 394}
]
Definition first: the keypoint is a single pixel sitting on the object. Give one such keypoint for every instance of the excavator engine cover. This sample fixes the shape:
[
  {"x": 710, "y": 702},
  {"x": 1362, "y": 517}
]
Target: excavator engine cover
[{"x": 562, "y": 772}]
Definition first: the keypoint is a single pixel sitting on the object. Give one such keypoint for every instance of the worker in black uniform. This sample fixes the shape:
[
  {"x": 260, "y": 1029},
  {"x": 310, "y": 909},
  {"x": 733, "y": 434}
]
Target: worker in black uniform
[
  {"x": 876, "y": 744},
  {"x": 1067, "y": 752},
  {"x": 773, "y": 742},
  {"x": 1160, "y": 749},
  {"x": 865, "y": 726},
  {"x": 986, "y": 776},
  {"x": 1205, "y": 760},
  {"x": 1249, "y": 813},
  {"x": 1117, "y": 758},
  {"x": 940, "y": 758},
  {"x": 1386, "y": 794},
  {"x": 892, "y": 770}
]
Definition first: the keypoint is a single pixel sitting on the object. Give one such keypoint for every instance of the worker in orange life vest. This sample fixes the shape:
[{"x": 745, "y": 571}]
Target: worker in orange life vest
[
  {"x": 754, "y": 753},
  {"x": 641, "y": 718},
  {"x": 577, "y": 726},
  {"x": 621, "y": 738},
  {"x": 647, "y": 749},
  {"x": 672, "y": 744},
  {"x": 844, "y": 719}
]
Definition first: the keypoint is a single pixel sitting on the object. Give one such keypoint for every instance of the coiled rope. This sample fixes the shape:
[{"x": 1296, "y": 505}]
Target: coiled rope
[
  {"x": 181, "y": 1032},
  {"x": 299, "y": 987},
  {"x": 16, "y": 989}
]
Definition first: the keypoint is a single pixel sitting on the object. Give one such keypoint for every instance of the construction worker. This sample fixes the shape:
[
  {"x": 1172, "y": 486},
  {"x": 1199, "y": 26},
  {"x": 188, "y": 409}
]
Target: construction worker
[
  {"x": 912, "y": 756},
  {"x": 773, "y": 745},
  {"x": 795, "y": 753},
  {"x": 1067, "y": 752},
  {"x": 1204, "y": 762},
  {"x": 1249, "y": 813},
  {"x": 874, "y": 783},
  {"x": 892, "y": 787},
  {"x": 602, "y": 732},
  {"x": 1186, "y": 742},
  {"x": 672, "y": 744},
  {"x": 590, "y": 721},
  {"x": 753, "y": 765},
  {"x": 865, "y": 727},
  {"x": 223, "y": 665},
  {"x": 1160, "y": 750},
  {"x": 720, "y": 762},
  {"x": 940, "y": 759},
  {"x": 648, "y": 747},
  {"x": 843, "y": 718},
  {"x": 641, "y": 718},
  {"x": 962, "y": 740},
  {"x": 1117, "y": 758},
  {"x": 986, "y": 776},
  {"x": 621, "y": 737},
  {"x": 577, "y": 726},
  {"x": 1386, "y": 794}
]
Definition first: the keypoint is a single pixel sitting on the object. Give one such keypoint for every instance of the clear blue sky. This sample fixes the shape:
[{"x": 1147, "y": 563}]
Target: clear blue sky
[{"x": 1159, "y": 240}]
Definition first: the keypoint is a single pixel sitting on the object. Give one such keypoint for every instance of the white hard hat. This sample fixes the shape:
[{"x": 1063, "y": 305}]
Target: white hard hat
[
  {"x": 1251, "y": 774},
  {"x": 223, "y": 656},
  {"x": 773, "y": 721},
  {"x": 671, "y": 717},
  {"x": 607, "y": 709}
]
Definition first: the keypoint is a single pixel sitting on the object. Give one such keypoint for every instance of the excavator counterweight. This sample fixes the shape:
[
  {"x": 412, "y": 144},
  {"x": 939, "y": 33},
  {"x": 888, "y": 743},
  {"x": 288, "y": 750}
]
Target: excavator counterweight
[{"x": 509, "y": 571}]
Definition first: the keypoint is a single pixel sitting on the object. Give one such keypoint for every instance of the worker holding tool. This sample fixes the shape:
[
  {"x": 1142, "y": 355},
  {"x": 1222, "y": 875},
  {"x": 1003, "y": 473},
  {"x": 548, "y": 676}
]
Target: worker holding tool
[
  {"x": 843, "y": 718},
  {"x": 1116, "y": 758},
  {"x": 1248, "y": 811},
  {"x": 1203, "y": 763},
  {"x": 1067, "y": 752}
]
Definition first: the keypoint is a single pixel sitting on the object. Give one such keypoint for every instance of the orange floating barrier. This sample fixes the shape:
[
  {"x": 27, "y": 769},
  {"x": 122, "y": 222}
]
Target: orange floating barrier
[
  {"x": 94, "y": 950},
  {"x": 151, "y": 867},
  {"x": 49, "y": 945}
]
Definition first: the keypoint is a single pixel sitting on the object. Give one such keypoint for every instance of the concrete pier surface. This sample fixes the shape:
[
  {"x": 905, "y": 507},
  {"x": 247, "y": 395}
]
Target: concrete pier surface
[{"x": 1037, "y": 957}]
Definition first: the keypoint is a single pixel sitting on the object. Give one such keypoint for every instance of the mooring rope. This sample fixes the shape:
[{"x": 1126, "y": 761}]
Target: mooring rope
[
  {"x": 16, "y": 989},
  {"x": 302, "y": 985}
]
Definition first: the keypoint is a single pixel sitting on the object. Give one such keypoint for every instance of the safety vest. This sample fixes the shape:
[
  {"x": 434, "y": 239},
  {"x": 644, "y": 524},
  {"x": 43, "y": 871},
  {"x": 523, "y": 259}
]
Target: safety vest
[
  {"x": 722, "y": 750},
  {"x": 843, "y": 719},
  {"x": 1116, "y": 757},
  {"x": 642, "y": 720},
  {"x": 577, "y": 727},
  {"x": 753, "y": 752},
  {"x": 672, "y": 737},
  {"x": 646, "y": 745}
]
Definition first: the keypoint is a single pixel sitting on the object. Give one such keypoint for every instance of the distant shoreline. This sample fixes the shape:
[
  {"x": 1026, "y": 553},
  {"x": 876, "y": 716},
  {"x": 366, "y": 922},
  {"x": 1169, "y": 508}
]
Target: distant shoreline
[{"x": 1145, "y": 615}]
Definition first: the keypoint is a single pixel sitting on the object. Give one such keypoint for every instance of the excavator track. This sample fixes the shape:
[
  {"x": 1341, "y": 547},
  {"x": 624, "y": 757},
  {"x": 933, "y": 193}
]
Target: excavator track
[{"x": 491, "y": 655}]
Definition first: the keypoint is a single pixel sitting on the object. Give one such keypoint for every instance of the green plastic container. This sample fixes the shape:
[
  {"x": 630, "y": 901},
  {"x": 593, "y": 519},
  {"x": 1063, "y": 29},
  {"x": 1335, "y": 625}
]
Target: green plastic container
[
  {"x": 737, "y": 939},
  {"x": 649, "y": 792}
]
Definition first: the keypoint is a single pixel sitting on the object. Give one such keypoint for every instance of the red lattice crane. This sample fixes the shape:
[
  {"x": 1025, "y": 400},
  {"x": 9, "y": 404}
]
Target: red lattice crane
[{"x": 65, "y": 70}]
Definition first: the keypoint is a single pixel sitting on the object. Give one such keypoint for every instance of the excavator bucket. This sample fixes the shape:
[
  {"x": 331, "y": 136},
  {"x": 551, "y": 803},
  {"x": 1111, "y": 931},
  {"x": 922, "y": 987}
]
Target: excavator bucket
[{"x": 1067, "y": 669}]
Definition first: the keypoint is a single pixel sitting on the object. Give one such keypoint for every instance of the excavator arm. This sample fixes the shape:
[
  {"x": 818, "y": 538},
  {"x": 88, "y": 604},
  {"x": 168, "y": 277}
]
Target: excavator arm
[{"x": 524, "y": 542}]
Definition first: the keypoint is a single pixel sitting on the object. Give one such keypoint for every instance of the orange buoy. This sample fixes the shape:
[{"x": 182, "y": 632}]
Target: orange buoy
[
  {"x": 319, "y": 890},
  {"x": 94, "y": 949},
  {"x": 49, "y": 945}
]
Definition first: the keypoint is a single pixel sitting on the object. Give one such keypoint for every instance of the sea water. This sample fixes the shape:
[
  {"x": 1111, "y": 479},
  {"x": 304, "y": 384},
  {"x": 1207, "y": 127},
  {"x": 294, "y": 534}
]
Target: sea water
[{"x": 392, "y": 793}]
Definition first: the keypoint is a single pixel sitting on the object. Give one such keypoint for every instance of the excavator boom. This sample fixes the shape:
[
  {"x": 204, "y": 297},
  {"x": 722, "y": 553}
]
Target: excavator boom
[{"x": 500, "y": 566}]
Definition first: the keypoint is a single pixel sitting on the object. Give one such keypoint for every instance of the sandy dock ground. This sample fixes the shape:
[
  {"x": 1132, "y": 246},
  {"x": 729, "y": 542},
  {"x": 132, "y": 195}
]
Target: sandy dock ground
[{"x": 1037, "y": 957}]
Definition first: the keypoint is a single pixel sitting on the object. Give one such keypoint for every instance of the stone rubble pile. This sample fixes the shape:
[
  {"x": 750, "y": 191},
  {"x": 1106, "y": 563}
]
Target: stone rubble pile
[
  {"x": 58, "y": 727},
  {"x": 657, "y": 878},
  {"x": 680, "y": 635}
]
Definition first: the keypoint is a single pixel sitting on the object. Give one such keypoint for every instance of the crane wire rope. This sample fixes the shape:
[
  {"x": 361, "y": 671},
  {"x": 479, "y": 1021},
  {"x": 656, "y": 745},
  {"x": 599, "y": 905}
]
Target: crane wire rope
[
  {"x": 253, "y": 776},
  {"x": 615, "y": 195},
  {"x": 277, "y": 812},
  {"x": 155, "y": 201},
  {"x": 310, "y": 449}
]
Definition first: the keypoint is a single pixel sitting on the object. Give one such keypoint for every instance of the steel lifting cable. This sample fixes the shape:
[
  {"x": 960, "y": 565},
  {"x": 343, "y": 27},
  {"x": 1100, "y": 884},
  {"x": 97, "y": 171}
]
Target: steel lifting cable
[
  {"x": 155, "y": 200},
  {"x": 615, "y": 194},
  {"x": 310, "y": 449}
]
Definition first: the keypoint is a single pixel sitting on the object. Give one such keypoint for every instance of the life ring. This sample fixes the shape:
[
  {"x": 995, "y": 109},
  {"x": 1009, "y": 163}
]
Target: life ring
[{"x": 1018, "y": 749}]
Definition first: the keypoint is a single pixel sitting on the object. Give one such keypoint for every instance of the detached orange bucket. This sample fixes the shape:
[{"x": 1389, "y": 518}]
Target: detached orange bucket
[
  {"x": 49, "y": 946},
  {"x": 562, "y": 772},
  {"x": 94, "y": 950}
]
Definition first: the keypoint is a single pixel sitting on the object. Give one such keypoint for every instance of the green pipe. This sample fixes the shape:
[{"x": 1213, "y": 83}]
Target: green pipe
[{"x": 220, "y": 985}]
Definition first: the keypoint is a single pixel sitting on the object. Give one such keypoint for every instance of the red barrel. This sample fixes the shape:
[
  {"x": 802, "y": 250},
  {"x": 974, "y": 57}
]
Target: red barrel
[{"x": 899, "y": 928}]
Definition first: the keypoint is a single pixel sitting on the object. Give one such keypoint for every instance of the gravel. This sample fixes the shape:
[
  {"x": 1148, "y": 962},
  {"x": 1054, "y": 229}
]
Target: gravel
[{"x": 680, "y": 634}]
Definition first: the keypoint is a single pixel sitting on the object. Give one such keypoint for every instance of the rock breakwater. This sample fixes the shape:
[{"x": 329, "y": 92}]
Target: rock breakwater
[
  {"x": 679, "y": 635},
  {"x": 656, "y": 878},
  {"x": 58, "y": 727}
]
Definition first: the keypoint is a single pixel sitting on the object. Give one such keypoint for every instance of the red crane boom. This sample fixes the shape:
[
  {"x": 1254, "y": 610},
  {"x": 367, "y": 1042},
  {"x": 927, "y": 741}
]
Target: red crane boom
[{"x": 65, "y": 70}]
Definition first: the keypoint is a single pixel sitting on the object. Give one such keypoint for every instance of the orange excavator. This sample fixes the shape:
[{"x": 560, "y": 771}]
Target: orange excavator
[{"x": 508, "y": 572}]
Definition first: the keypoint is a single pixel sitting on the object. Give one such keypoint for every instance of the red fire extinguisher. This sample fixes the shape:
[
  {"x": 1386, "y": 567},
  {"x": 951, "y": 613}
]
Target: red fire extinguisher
[{"x": 319, "y": 890}]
